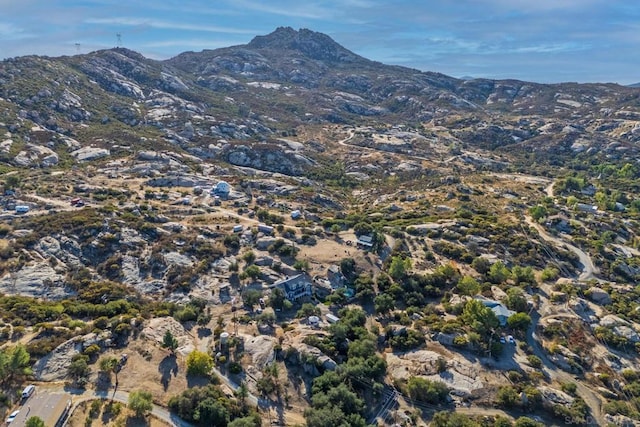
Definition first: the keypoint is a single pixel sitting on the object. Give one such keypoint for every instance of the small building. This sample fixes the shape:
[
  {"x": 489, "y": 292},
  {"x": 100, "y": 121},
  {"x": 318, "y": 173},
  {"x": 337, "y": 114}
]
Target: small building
[
  {"x": 365, "y": 241},
  {"x": 295, "y": 287},
  {"x": 314, "y": 321},
  {"x": 22, "y": 208},
  {"x": 52, "y": 408},
  {"x": 583, "y": 207},
  {"x": 332, "y": 318},
  {"x": 221, "y": 189},
  {"x": 266, "y": 229},
  {"x": 296, "y": 214},
  {"x": 237, "y": 228}
]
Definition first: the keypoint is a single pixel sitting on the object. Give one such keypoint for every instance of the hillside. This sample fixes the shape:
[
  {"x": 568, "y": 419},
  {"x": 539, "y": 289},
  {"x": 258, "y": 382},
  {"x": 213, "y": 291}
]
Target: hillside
[{"x": 461, "y": 243}]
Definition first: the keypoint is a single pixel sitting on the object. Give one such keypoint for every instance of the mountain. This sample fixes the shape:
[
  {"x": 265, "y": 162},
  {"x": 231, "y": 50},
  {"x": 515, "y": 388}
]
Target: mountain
[
  {"x": 635, "y": 85},
  {"x": 281, "y": 81}
]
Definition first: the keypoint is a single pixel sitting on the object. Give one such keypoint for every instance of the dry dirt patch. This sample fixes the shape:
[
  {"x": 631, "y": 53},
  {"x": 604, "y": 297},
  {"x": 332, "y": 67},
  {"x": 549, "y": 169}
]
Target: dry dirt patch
[{"x": 104, "y": 419}]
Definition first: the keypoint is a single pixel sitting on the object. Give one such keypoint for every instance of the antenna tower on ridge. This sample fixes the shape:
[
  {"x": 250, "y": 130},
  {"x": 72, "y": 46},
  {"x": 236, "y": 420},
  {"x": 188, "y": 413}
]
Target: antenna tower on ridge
[
  {"x": 119, "y": 37},
  {"x": 78, "y": 48}
]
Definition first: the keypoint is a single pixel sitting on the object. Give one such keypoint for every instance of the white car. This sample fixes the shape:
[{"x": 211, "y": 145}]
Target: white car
[
  {"x": 12, "y": 416},
  {"x": 511, "y": 340},
  {"x": 502, "y": 340}
]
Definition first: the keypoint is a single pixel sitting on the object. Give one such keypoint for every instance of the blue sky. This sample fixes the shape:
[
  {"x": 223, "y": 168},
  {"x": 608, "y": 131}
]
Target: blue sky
[{"x": 534, "y": 40}]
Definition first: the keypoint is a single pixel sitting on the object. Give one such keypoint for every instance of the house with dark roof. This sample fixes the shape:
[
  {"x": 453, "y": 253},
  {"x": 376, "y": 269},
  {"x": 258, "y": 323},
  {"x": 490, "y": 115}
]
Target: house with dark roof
[{"x": 295, "y": 287}]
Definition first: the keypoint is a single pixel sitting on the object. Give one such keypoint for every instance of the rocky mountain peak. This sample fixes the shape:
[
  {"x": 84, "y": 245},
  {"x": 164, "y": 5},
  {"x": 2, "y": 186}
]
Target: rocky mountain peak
[{"x": 312, "y": 44}]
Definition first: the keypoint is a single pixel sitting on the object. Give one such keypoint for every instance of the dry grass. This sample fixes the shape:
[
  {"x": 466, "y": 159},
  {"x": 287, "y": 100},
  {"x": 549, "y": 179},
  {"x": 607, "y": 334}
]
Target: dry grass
[{"x": 126, "y": 418}]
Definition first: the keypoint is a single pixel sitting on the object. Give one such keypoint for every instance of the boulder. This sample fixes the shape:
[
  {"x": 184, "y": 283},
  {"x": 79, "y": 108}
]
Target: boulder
[
  {"x": 599, "y": 296},
  {"x": 158, "y": 327},
  {"x": 85, "y": 154}
]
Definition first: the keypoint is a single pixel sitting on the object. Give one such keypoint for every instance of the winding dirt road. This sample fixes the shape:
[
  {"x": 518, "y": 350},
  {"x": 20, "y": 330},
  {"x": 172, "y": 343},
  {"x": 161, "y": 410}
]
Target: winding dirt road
[{"x": 589, "y": 270}]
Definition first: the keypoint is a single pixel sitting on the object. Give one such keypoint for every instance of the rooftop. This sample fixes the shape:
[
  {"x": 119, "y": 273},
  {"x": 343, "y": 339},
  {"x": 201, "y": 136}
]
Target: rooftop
[{"x": 48, "y": 406}]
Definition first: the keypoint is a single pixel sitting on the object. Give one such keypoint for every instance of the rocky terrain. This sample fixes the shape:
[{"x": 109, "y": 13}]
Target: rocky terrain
[{"x": 147, "y": 198}]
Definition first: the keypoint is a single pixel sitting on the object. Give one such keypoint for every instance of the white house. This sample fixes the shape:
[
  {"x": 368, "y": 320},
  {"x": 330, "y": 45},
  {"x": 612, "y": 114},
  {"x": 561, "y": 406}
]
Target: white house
[{"x": 221, "y": 189}]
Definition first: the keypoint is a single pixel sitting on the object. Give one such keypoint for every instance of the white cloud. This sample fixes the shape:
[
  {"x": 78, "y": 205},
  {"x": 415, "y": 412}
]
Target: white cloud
[
  {"x": 293, "y": 10},
  {"x": 10, "y": 31},
  {"x": 167, "y": 25}
]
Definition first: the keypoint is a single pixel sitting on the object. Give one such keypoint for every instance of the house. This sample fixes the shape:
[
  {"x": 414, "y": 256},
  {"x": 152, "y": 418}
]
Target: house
[
  {"x": 499, "y": 309},
  {"x": 365, "y": 241},
  {"x": 560, "y": 222},
  {"x": 295, "y": 287},
  {"x": 237, "y": 228},
  {"x": 221, "y": 189},
  {"x": 583, "y": 207},
  {"x": 266, "y": 229},
  {"x": 22, "y": 208},
  {"x": 335, "y": 276},
  {"x": 296, "y": 214}
]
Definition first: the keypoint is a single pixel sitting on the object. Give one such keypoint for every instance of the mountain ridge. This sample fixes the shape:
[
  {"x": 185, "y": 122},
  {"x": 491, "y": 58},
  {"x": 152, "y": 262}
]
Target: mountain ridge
[{"x": 292, "y": 78}]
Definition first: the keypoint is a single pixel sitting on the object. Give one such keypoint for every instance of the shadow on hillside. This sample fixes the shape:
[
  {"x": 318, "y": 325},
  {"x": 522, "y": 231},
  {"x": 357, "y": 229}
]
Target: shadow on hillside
[{"x": 204, "y": 332}]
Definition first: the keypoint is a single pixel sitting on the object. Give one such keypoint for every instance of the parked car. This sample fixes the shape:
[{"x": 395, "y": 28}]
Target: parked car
[
  {"x": 511, "y": 340},
  {"x": 12, "y": 416},
  {"x": 502, "y": 340}
]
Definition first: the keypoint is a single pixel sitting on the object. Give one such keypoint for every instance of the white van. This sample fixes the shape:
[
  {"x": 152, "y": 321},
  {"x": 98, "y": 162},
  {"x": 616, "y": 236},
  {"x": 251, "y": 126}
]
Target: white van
[{"x": 28, "y": 391}]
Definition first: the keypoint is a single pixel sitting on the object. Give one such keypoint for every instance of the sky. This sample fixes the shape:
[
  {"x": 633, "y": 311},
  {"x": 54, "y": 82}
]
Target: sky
[{"x": 546, "y": 41}]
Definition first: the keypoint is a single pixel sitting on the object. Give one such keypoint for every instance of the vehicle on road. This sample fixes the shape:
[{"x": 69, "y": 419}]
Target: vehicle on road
[{"x": 12, "y": 416}]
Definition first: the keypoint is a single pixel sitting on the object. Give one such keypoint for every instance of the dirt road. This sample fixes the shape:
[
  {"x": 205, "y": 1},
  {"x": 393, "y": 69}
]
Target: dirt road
[{"x": 589, "y": 270}]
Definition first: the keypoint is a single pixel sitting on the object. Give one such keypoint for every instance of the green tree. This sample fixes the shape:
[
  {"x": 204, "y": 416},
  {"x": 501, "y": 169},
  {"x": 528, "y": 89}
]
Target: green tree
[
  {"x": 384, "y": 303},
  {"x": 481, "y": 265},
  {"x": 479, "y": 317},
  {"x": 199, "y": 363},
  {"x": 523, "y": 276},
  {"x": 109, "y": 364},
  {"x": 210, "y": 412},
  {"x": 467, "y": 285},
  {"x": 498, "y": 273},
  {"x": 277, "y": 298},
  {"x": 18, "y": 363},
  {"x": 249, "y": 257},
  {"x": 519, "y": 321},
  {"x": 35, "y": 422},
  {"x": 516, "y": 300},
  {"x": 251, "y": 297},
  {"x": 140, "y": 402},
  {"x": 507, "y": 396},
  {"x": 11, "y": 182},
  {"x": 243, "y": 422},
  {"x": 549, "y": 273},
  {"x": 527, "y": 422},
  {"x": 398, "y": 267},
  {"x": 79, "y": 370},
  {"x": 307, "y": 310},
  {"x": 427, "y": 391},
  {"x": 252, "y": 271},
  {"x": 538, "y": 212},
  {"x": 169, "y": 341}
]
